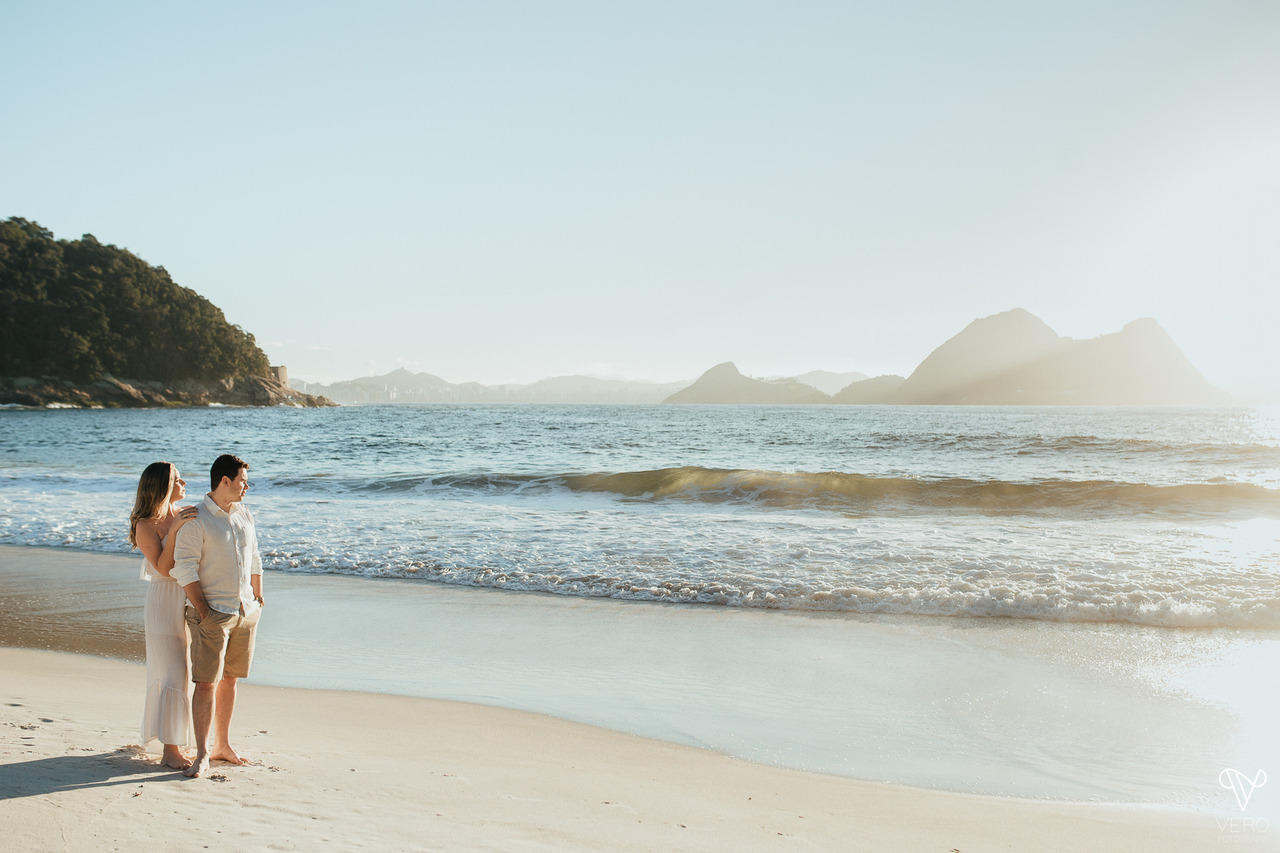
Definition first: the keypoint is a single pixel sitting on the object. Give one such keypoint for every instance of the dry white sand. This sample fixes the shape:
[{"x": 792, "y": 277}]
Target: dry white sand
[{"x": 351, "y": 771}]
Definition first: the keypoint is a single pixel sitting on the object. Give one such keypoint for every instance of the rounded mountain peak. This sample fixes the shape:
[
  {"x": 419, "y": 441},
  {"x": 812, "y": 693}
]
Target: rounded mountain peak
[
  {"x": 985, "y": 347},
  {"x": 722, "y": 371}
]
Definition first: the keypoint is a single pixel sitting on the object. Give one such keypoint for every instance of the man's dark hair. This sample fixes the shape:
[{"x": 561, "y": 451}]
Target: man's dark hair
[{"x": 225, "y": 465}]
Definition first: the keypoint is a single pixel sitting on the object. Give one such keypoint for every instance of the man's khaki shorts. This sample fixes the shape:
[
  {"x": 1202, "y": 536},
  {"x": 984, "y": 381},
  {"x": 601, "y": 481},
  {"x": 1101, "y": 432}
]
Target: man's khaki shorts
[{"x": 221, "y": 644}]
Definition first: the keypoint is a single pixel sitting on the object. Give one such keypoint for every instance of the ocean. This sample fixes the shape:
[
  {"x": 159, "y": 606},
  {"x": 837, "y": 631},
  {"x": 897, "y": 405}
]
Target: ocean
[
  {"x": 1042, "y": 602},
  {"x": 1148, "y": 516}
]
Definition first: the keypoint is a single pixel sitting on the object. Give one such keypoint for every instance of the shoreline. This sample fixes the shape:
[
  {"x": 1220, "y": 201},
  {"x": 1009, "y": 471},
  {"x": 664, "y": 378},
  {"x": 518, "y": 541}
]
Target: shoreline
[
  {"x": 367, "y": 767},
  {"x": 1057, "y": 711},
  {"x": 367, "y": 771}
]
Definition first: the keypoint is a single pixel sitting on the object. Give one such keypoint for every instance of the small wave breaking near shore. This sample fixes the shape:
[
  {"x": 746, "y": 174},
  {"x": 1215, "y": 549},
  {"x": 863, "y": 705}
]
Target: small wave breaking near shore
[
  {"x": 855, "y": 492},
  {"x": 837, "y": 491}
]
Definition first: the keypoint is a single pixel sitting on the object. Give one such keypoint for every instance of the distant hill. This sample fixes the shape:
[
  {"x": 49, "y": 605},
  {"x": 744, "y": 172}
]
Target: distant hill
[
  {"x": 1138, "y": 366},
  {"x": 1011, "y": 358},
  {"x": 590, "y": 389},
  {"x": 398, "y": 381},
  {"x": 404, "y": 386},
  {"x": 828, "y": 382},
  {"x": 724, "y": 384},
  {"x": 1014, "y": 358},
  {"x": 411, "y": 381},
  {"x": 880, "y": 389}
]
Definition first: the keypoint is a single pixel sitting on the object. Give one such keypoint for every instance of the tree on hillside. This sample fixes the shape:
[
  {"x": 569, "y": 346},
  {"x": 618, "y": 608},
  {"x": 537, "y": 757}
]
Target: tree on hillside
[{"x": 79, "y": 309}]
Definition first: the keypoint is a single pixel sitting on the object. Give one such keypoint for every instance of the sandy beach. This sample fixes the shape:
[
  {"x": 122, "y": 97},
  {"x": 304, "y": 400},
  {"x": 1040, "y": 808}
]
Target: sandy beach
[
  {"x": 353, "y": 770},
  {"x": 364, "y": 771}
]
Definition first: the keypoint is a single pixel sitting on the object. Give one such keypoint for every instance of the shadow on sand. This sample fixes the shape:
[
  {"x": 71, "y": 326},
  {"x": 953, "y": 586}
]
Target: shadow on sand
[{"x": 77, "y": 772}]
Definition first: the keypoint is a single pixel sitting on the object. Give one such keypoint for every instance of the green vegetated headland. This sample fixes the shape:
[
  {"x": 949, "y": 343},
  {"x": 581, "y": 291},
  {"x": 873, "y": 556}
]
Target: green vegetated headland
[
  {"x": 79, "y": 310},
  {"x": 88, "y": 324}
]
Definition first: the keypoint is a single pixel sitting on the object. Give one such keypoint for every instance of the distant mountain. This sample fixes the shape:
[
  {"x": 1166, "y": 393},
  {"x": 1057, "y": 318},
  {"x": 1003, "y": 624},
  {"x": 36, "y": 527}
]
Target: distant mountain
[
  {"x": 404, "y": 386},
  {"x": 828, "y": 382},
  {"x": 1138, "y": 366},
  {"x": 986, "y": 348},
  {"x": 724, "y": 384},
  {"x": 591, "y": 389},
  {"x": 1014, "y": 358},
  {"x": 881, "y": 389},
  {"x": 1011, "y": 358},
  {"x": 405, "y": 381}
]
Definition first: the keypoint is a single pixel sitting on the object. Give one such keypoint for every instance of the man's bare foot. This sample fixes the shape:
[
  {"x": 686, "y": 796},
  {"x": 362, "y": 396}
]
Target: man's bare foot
[
  {"x": 227, "y": 754},
  {"x": 174, "y": 758},
  {"x": 198, "y": 768}
]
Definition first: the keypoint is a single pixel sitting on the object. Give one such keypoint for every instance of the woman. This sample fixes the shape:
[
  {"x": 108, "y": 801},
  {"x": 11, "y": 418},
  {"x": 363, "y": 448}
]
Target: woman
[{"x": 153, "y": 529}]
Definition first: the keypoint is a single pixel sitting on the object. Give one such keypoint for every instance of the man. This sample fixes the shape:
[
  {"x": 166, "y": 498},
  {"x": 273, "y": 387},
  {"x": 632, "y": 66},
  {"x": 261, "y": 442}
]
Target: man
[{"x": 216, "y": 561}]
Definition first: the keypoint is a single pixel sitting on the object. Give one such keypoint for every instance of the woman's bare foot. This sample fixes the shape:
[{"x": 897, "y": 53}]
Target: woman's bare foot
[
  {"x": 198, "y": 768},
  {"x": 227, "y": 754},
  {"x": 174, "y": 758}
]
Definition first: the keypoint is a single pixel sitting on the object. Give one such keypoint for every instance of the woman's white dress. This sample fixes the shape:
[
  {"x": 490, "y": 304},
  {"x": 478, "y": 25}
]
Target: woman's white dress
[{"x": 166, "y": 717}]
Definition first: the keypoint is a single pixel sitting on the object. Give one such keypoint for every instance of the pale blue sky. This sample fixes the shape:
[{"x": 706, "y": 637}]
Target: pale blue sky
[{"x": 506, "y": 191}]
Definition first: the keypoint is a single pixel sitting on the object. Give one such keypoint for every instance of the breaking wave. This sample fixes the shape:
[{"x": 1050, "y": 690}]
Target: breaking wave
[{"x": 842, "y": 492}]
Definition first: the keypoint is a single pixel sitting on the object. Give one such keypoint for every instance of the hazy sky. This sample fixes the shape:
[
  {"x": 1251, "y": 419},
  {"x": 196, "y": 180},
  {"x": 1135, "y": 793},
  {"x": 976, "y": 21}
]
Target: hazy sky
[{"x": 507, "y": 191}]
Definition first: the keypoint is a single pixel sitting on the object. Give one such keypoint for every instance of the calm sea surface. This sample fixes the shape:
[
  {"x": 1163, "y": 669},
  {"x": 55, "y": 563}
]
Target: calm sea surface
[{"x": 1148, "y": 516}]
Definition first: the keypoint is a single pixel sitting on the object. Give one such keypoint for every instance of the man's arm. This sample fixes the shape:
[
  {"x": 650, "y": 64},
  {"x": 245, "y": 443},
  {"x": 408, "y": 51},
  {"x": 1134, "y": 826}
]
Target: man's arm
[
  {"x": 187, "y": 548},
  {"x": 195, "y": 594},
  {"x": 255, "y": 571}
]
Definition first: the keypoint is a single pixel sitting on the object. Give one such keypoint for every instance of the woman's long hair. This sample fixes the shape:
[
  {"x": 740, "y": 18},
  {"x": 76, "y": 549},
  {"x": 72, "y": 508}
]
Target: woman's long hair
[{"x": 154, "y": 488}]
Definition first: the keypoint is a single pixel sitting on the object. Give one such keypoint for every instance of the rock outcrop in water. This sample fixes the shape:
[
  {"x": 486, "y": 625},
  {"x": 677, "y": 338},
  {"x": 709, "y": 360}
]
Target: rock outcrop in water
[{"x": 724, "y": 384}]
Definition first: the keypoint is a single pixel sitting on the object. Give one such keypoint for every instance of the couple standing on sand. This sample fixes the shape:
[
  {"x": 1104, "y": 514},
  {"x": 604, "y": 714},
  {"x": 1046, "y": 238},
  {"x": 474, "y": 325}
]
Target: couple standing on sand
[{"x": 203, "y": 606}]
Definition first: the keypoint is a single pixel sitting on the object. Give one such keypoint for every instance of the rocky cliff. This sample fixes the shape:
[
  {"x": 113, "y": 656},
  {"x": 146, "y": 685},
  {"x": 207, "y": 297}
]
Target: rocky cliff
[{"x": 110, "y": 392}]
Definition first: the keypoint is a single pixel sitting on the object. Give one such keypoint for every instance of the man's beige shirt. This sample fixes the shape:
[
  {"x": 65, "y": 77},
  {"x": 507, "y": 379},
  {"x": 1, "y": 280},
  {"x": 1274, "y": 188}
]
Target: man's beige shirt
[{"x": 220, "y": 550}]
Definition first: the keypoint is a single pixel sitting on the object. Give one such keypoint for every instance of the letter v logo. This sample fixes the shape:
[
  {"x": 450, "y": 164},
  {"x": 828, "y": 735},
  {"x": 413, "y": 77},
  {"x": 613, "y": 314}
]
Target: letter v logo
[{"x": 1241, "y": 784}]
